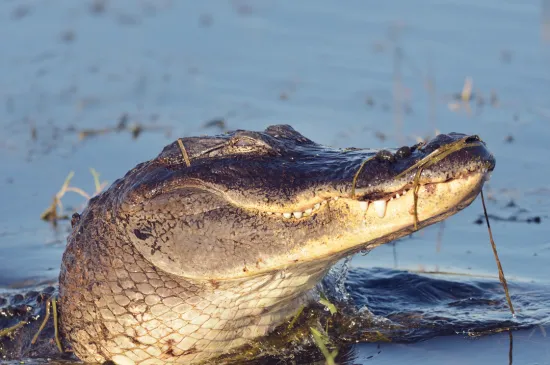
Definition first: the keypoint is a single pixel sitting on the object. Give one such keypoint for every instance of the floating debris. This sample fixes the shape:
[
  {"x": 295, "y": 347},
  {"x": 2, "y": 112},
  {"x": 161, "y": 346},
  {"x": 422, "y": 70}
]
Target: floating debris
[
  {"x": 122, "y": 126},
  {"x": 54, "y": 212},
  {"x": 216, "y": 123},
  {"x": 513, "y": 219}
]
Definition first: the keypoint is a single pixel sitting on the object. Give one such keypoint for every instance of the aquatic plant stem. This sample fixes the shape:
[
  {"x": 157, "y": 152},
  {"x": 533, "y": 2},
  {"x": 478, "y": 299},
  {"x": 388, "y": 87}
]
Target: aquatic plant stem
[
  {"x": 354, "y": 182},
  {"x": 295, "y": 318},
  {"x": 499, "y": 265},
  {"x": 416, "y": 188},
  {"x": 46, "y": 317},
  {"x": 321, "y": 340},
  {"x": 9, "y": 330},
  {"x": 511, "y": 348},
  {"x": 55, "y": 325},
  {"x": 433, "y": 158},
  {"x": 184, "y": 153}
]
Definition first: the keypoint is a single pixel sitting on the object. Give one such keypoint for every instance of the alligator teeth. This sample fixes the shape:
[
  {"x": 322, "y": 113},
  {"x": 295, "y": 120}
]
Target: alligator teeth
[
  {"x": 300, "y": 214},
  {"x": 363, "y": 206},
  {"x": 380, "y": 207},
  {"x": 335, "y": 198},
  {"x": 397, "y": 196}
]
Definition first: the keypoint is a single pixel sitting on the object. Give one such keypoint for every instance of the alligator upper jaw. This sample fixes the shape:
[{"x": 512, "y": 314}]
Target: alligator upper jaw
[
  {"x": 302, "y": 175},
  {"x": 362, "y": 176},
  {"x": 377, "y": 201}
]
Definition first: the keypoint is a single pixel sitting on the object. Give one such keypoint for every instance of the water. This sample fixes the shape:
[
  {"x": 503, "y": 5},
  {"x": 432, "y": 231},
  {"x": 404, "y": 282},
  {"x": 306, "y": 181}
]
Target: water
[{"x": 353, "y": 74}]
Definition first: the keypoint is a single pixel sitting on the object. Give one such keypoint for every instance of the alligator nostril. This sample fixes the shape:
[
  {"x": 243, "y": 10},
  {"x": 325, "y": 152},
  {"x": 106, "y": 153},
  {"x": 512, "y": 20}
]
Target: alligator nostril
[
  {"x": 75, "y": 219},
  {"x": 474, "y": 138},
  {"x": 385, "y": 155},
  {"x": 403, "y": 152},
  {"x": 418, "y": 146}
]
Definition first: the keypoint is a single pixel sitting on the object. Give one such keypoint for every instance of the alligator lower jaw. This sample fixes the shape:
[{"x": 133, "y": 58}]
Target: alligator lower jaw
[{"x": 379, "y": 205}]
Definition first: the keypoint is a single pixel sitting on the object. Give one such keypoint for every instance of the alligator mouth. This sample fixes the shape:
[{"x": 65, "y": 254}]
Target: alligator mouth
[{"x": 379, "y": 201}]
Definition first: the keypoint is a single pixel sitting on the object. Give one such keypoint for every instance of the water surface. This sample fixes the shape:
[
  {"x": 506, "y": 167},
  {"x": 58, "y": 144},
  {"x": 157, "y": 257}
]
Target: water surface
[{"x": 364, "y": 74}]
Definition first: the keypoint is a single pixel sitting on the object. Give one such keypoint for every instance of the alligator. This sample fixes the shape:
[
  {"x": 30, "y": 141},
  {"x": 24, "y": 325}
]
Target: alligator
[{"x": 219, "y": 239}]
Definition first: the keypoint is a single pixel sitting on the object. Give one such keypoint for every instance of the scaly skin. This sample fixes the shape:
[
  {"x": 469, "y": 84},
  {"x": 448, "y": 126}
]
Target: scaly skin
[
  {"x": 180, "y": 263},
  {"x": 116, "y": 305}
]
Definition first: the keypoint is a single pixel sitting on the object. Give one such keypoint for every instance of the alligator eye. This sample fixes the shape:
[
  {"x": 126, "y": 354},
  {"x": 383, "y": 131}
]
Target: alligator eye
[
  {"x": 403, "y": 152},
  {"x": 385, "y": 155},
  {"x": 245, "y": 144}
]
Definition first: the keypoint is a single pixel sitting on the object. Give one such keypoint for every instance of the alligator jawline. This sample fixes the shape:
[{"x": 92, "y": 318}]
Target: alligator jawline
[{"x": 365, "y": 200}]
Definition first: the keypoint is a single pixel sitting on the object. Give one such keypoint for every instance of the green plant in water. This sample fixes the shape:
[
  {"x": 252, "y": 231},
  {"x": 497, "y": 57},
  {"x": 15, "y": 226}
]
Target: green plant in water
[
  {"x": 322, "y": 340},
  {"x": 324, "y": 301}
]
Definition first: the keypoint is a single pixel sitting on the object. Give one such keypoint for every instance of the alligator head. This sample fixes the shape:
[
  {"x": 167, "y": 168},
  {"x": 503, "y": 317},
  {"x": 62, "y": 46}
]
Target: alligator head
[
  {"x": 251, "y": 202},
  {"x": 219, "y": 239}
]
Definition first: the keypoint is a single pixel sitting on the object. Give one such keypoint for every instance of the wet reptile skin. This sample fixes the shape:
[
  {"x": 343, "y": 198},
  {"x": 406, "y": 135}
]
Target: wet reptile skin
[
  {"x": 179, "y": 263},
  {"x": 118, "y": 306}
]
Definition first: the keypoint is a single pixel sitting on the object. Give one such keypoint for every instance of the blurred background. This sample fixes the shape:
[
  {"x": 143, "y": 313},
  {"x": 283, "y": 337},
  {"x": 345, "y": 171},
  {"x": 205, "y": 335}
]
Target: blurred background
[{"x": 106, "y": 84}]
